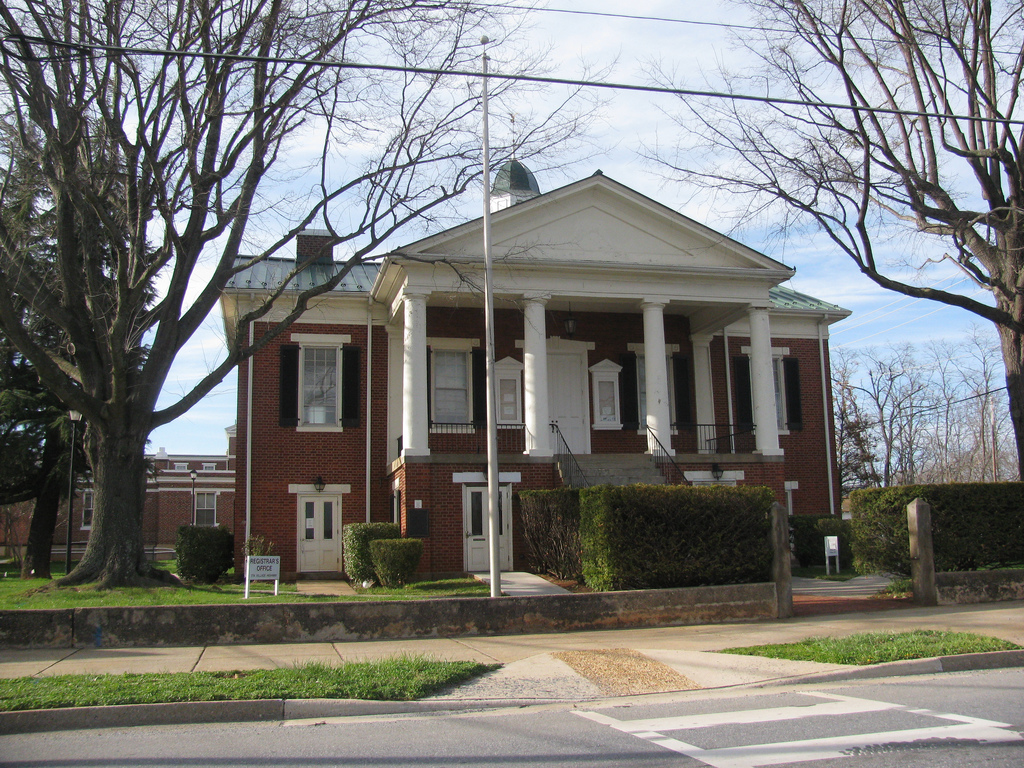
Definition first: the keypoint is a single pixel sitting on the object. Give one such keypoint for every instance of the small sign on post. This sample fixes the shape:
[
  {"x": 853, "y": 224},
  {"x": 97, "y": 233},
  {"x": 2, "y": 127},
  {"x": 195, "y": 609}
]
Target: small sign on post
[
  {"x": 262, "y": 568},
  {"x": 831, "y": 550}
]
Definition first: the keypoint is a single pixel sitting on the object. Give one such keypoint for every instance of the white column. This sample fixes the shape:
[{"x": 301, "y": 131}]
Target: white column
[
  {"x": 703, "y": 392},
  {"x": 659, "y": 418},
  {"x": 535, "y": 379},
  {"x": 762, "y": 384},
  {"x": 414, "y": 377}
]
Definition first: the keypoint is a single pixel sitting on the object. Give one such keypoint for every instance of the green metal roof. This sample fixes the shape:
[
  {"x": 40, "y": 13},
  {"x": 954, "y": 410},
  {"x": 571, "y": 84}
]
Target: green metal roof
[{"x": 787, "y": 298}]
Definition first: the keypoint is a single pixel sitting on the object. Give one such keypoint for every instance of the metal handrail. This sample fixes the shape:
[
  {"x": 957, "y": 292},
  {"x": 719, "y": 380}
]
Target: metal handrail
[
  {"x": 572, "y": 473},
  {"x": 664, "y": 462},
  {"x": 717, "y": 438}
]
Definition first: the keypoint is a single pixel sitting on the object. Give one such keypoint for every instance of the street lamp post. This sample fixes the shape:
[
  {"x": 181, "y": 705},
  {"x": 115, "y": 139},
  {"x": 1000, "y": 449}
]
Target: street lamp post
[
  {"x": 75, "y": 417},
  {"x": 193, "y": 474}
]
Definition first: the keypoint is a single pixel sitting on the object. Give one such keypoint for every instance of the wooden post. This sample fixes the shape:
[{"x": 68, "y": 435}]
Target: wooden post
[
  {"x": 922, "y": 556},
  {"x": 782, "y": 572}
]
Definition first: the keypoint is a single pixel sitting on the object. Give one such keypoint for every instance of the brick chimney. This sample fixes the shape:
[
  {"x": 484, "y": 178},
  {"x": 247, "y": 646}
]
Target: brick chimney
[{"x": 314, "y": 243}]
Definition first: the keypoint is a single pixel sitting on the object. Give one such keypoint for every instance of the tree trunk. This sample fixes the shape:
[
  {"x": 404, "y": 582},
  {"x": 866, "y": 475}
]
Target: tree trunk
[
  {"x": 36, "y": 564},
  {"x": 114, "y": 556},
  {"x": 1013, "y": 361}
]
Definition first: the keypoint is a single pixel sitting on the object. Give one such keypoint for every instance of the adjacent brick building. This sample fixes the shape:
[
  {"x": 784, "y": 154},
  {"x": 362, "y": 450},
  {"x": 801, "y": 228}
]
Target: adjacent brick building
[{"x": 623, "y": 330}]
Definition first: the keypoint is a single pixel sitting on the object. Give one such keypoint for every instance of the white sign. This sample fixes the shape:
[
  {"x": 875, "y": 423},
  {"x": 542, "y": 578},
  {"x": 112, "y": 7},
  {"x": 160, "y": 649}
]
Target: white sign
[
  {"x": 831, "y": 550},
  {"x": 262, "y": 568}
]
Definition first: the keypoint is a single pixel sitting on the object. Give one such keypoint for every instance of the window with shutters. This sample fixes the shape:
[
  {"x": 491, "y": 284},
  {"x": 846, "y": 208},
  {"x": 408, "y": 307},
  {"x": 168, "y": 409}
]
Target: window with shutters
[
  {"x": 786, "y": 376},
  {"x": 320, "y": 383},
  {"x": 634, "y": 389}
]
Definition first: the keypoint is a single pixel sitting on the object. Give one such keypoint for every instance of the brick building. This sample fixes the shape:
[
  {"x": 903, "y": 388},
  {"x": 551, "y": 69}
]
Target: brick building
[
  {"x": 627, "y": 337},
  {"x": 171, "y": 493}
]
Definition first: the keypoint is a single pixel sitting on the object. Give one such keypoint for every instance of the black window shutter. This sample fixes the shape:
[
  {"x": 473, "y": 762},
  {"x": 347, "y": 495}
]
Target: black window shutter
[
  {"x": 684, "y": 398},
  {"x": 794, "y": 408},
  {"x": 744, "y": 403},
  {"x": 479, "y": 377},
  {"x": 629, "y": 393},
  {"x": 350, "y": 386},
  {"x": 288, "y": 392},
  {"x": 430, "y": 387}
]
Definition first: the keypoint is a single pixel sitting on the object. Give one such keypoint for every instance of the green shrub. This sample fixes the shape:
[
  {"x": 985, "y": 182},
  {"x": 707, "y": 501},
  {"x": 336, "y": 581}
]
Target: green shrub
[
  {"x": 395, "y": 560},
  {"x": 204, "y": 554},
  {"x": 356, "y": 538},
  {"x": 551, "y": 527},
  {"x": 974, "y": 525},
  {"x": 808, "y": 534},
  {"x": 656, "y": 536}
]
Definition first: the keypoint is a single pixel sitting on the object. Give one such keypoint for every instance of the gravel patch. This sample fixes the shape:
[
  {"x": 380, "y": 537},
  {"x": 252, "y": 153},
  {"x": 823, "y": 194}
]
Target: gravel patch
[{"x": 625, "y": 672}]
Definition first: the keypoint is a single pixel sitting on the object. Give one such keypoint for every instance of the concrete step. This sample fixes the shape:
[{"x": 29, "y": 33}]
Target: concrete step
[{"x": 620, "y": 469}]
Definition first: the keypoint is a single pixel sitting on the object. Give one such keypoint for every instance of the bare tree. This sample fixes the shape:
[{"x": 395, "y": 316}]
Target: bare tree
[
  {"x": 912, "y": 415},
  {"x": 166, "y": 133},
  {"x": 903, "y": 118}
]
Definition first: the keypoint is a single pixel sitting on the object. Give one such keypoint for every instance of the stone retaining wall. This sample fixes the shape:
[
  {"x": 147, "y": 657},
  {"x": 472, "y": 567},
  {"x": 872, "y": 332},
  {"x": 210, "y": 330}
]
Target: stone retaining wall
[
  {"x": 965, "y": 587},
  {"x": 342, "y": 621}
]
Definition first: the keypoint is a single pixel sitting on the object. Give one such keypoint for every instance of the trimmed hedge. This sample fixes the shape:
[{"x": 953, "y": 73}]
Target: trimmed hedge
[
  {"x": 974, "y": 525},
  {"x": 355, "y": 540},
  {"x": 204, "y": 554},
  {"x": 395, "y": 560},
  {"x": 551, "y": 526},
  {"x": 658, "y": 536},
  {"x": 808, "y": 534}
]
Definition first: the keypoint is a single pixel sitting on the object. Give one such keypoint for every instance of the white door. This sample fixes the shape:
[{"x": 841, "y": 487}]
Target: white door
[
  {"x": 474, "y": 509},
  {"x": 319, "y": 534},
  {"x": 567, "y": 398}
]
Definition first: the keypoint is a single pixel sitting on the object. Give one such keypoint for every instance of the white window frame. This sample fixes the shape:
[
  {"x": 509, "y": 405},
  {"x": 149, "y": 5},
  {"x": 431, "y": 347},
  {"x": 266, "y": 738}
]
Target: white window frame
[
  {"x": 88, "y": 505},
  {"x": 303, "y": 407},
  {"x": 448, "y": 345},
  {"x": 333, "y": 341},
  {"x": 181, "y": 466},
  {"x": 509, "y": 369},
  {"x": 208, "y": 467},
  {"x": 604, "y": 377},
  {"x": 195, "y": 512}
]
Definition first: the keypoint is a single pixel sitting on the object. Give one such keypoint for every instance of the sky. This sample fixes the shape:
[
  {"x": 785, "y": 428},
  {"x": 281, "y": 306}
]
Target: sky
[{"x": 625, "y": 51}]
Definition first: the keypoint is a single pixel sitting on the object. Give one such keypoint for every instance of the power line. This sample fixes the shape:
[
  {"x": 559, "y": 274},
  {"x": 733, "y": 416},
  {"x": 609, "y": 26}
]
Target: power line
[{"x": 171, "y": 53}]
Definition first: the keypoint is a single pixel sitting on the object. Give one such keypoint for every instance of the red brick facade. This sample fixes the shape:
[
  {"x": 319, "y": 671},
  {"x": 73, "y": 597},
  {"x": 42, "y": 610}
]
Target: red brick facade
[{"x": 289, "y": 456}]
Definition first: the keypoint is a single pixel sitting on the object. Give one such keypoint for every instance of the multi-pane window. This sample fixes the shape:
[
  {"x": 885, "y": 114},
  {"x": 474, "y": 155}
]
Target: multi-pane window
[
  {"x": 206, "y": 508},
  {"x": 87, "y": 507},
  {"x": 451, "y": 377},
  {"x": 320, "y": 385}
]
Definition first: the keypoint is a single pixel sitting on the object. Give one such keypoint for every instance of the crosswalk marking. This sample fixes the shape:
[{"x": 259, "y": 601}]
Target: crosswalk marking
[{"x": 778, "y": 753}]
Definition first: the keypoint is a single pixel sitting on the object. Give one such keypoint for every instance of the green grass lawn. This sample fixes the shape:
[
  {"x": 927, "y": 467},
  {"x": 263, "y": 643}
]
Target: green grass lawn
[
  {"x": 878, "y": 647},
  {"x": 16, "y": 593},
  {"x": 403, "y": 678},
  {"x": 420, "y": 589}
]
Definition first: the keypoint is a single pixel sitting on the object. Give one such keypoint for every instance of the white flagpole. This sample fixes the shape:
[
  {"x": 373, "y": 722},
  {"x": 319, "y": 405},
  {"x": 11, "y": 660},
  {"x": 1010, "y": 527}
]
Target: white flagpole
[{"x": 493, "y": 532}]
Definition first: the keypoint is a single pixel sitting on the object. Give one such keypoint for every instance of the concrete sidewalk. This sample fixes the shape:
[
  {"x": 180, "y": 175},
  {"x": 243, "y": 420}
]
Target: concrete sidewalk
[{"x": 684, "y": 649}]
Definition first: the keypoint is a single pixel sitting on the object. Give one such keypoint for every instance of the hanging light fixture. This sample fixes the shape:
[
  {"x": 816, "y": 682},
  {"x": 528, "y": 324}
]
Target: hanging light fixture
[
  {"x": 570, "y": 324},
  {"x": 717, "y": 472}
]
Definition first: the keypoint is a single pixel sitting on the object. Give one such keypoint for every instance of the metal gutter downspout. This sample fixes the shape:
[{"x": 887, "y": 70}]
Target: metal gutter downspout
[
  {"x": 369, "y": 371},
  {"x": 248, "y": 442},
  {"x": 827, "y": 420}
]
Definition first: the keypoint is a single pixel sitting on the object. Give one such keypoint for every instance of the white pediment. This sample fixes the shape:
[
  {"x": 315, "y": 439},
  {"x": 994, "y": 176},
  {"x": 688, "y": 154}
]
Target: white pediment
[{"x": 594, "y": 222}]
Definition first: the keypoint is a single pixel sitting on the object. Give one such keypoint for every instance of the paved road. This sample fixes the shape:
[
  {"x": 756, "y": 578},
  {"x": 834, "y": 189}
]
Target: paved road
[{"x": 942, "y": 721}]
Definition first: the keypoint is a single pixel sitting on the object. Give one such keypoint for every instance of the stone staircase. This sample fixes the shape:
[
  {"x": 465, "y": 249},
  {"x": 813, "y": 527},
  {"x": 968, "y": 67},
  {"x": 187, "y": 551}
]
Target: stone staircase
[{"x": 620, "y": 469}]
